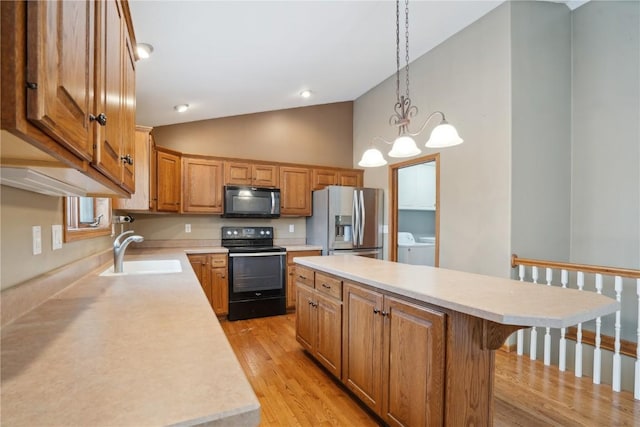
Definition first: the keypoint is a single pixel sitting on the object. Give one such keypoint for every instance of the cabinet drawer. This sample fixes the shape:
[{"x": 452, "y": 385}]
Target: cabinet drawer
[
  {"x": 218, "y": 261},
  {"x": 304, "y": 275},
  {"x": 329, "y": 285}
]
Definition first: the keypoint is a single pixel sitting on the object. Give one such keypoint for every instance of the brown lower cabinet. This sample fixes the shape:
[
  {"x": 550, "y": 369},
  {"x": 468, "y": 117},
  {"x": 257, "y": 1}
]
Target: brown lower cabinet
[
  {"x": 393, "y": 351},
  {"x": 211, "y": 271},
  {"x": 319, "y": 317},
  {"x": 291, "y": 279}
]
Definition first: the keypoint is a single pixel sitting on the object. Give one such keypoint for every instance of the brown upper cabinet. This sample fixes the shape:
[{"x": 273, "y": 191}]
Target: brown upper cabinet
[
  {"x": 322, "y": 177},
  {"x": 201, "y": 185},
  {"x": 168, "y": 180},
  {"x": 141, "y": 200},
  {"x": 246, "y": 173},
  {"x": 295, "y": 191},
  {"x": 72, "y": 90}
]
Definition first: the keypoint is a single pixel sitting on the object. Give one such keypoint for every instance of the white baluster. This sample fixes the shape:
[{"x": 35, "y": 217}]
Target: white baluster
[
  {"x": 520, "y": 333},
  {"x": 578, "y": 361},
  {"x": 547, "y": 334},
  {"x": 616, "y": 355},
  {"x": 597, "y": 353},
  {"x": 562, "y": 356},
  {"x": 636, "y": 387},
  {"x": 533, "y": 344}
]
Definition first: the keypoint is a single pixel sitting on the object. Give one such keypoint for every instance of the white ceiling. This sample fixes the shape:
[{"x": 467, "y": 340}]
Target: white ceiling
[{"x": 225, "y": 58}]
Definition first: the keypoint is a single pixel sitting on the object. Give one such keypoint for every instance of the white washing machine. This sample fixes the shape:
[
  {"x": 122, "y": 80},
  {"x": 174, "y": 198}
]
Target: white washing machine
[{"x": 417, "y": 253}]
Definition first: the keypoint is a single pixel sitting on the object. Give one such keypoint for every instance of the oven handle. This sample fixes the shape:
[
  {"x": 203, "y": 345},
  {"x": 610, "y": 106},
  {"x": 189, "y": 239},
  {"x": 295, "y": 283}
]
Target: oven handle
[{"x": 257, "y": 254}]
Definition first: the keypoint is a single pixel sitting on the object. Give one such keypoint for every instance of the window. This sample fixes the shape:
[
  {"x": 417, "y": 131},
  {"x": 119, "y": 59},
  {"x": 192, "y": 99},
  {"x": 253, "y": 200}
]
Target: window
[{"x": 86, "y": 217}]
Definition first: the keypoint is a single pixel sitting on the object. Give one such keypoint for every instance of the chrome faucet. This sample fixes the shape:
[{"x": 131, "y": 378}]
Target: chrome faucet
[{"x": 119, "y": 248}]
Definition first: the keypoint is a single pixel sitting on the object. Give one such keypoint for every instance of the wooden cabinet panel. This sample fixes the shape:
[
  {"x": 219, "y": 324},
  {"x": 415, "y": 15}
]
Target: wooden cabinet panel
[
  {"x": 413, "y": 364},
  {"x": 200, "y": 265},
  {"x": 128, "y": 132},
  {"x": 211, "y": 271},
  {"x": 202, "y": 185},
  {"x": 109, "y": 78},
  {"x": 351, "y": 178},
  {"x": 295, "y": 272},
  {"x": 323, "y": 177},
  {"x": 362, "y": 344},
  {"x": 319, "y": 326},
  {"x": 168, "y": 182},
  {"x": 141, "y": 199},
  {"x": 328, "y": 285},
  {"x": 328, "y": 345},
  {"x": 265, "y": 175},
  {"x": 237, "y": 173},
  {"x": 295, "y": 191},
  {"x": 247, "y": 173},
  {"x": 60, "y": 61},
  {"x": 305, "y": 322},
  {"x": 220, "y": 291}
]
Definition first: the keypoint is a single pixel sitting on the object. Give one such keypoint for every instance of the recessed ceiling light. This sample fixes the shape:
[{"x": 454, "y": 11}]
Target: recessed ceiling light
[
  {"x": 144, "y": 50},
  {"x": 305, "y": 93},
  {"x": 181, "y": 108}
]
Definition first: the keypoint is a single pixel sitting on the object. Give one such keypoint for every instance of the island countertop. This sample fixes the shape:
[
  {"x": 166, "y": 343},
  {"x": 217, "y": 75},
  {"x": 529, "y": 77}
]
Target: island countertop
[
  {"x": 124, "y": 350},
  {"x": 499, "y": 300}
]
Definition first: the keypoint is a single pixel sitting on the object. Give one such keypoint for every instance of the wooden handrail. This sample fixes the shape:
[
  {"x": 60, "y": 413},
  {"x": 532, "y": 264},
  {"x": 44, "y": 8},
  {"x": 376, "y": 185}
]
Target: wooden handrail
[{"x": 585, "y": 268}]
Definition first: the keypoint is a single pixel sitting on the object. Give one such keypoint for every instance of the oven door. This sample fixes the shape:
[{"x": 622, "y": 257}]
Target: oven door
[{"x": 256, "y": 275}]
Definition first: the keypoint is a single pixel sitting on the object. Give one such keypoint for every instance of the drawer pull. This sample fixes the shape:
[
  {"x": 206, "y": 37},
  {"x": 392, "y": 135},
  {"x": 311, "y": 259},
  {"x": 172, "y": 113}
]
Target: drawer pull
[
  {"x": 300, "y": 276},
  {"x": 324, "y": 285}
]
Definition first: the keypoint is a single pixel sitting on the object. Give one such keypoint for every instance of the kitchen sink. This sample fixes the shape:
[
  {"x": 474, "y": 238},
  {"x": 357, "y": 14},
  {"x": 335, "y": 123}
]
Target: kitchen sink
[{"x": 147, "y": 266}]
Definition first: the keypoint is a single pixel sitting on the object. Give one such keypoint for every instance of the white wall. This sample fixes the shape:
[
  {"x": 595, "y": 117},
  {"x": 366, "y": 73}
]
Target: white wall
[
  {"x": 541, "y": 129},
  {"x": 467, "y": 77},
  {"x": 605, "y": 214}
]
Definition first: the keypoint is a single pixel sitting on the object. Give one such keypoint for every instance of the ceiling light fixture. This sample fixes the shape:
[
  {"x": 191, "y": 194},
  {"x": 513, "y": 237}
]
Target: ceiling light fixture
[
  {"x": 181, "y": 108},
  {"x": 305, "y": 93},
  {"x": 144, "y": 50},
  {"x": 443, "y": 135}
]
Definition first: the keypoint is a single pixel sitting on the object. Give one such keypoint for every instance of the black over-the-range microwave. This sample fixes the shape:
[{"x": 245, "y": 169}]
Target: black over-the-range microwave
[{"x": 251, "y": 202}]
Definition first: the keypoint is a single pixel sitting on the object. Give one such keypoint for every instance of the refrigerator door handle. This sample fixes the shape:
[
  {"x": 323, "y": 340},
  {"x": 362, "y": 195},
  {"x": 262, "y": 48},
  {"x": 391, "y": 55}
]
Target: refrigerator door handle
[
  {"x": 355, "y": 213},
  {"x": 362, "y": 218}
]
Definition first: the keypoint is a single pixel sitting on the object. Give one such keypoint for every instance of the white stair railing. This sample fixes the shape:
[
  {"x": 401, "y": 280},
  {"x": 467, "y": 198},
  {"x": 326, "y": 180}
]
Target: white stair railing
[{"x": 593, "y": 336}]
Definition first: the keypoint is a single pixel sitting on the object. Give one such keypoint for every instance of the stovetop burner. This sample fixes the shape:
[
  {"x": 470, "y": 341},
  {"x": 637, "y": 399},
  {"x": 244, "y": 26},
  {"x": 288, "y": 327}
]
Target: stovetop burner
[{"x": 249, "y": 239}]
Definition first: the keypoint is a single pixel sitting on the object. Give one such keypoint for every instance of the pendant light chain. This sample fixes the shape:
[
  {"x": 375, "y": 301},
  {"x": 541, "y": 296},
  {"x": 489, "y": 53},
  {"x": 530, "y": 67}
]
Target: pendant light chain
[
  {"x": 398, "y": 51},
  {"x": 406, "y": 35}
]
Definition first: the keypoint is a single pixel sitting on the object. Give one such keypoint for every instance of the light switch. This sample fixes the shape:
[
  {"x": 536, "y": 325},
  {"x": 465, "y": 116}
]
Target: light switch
[
  {"x": 292, "y": 228},
  {"x": 56, "y": 237},
  {"x": 36, "y": 237}
]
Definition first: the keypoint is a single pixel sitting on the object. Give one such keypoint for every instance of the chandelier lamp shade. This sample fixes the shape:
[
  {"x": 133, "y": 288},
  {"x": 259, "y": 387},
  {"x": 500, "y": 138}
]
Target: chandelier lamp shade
[{"x": 404, "y": 145}]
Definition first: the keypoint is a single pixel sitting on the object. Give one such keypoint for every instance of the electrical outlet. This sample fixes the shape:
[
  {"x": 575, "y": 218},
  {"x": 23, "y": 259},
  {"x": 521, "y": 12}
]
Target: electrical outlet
[
  {"x": 56, "y": 237},
  {"x": 187, "y": 228},
  {"x": 292, "y": 228},
  {"x": 36, "y": 234}
]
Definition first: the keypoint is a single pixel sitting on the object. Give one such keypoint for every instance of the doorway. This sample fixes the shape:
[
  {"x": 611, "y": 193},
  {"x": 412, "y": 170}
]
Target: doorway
[{"x": 414, "y": 225}]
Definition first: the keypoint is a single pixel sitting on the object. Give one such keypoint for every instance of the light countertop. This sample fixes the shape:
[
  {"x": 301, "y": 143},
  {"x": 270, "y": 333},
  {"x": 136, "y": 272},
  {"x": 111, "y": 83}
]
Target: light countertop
[
  {"x": 500, "y": 300},
  {"x": 124, "y": 351}
]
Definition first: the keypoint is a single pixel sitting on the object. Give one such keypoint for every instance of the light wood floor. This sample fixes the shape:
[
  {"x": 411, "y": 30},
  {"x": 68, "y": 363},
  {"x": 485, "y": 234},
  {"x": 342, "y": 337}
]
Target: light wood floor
[{"x": 294, "y": 390}]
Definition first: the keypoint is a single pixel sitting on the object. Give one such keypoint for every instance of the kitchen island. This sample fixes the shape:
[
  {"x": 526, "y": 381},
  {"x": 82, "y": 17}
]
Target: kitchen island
[
  {"x": 122, "y": 351},
  {"x": 416, "y": 343}
]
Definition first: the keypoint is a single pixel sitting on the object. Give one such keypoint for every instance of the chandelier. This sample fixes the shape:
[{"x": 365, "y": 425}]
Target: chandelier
[{"x": 443, "y": 135}]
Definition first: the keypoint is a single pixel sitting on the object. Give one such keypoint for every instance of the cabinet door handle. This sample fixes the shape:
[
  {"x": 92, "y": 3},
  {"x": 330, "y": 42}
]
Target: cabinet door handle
[
  {"x": 384, "y": 313},
  {"x": 376, "y": 311},
  {"x": 100, "y": 118},
  {"x": 127, "y": 159}
]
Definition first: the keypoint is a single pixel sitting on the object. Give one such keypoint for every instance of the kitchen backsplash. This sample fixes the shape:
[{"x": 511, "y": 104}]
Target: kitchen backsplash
[{"x": 205, "y": 229}]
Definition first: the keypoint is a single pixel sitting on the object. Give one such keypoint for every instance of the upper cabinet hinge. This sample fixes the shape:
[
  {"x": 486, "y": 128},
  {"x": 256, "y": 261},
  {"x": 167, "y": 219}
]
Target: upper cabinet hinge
[{"x": 31, "y": 85}]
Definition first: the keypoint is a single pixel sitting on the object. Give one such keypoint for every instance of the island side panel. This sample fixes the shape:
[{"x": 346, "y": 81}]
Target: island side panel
[{"x": 469, "y": 373}]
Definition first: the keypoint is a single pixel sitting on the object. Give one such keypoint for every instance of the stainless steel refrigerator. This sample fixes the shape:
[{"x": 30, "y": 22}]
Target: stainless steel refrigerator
[{"x": 347, "y": 220}]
